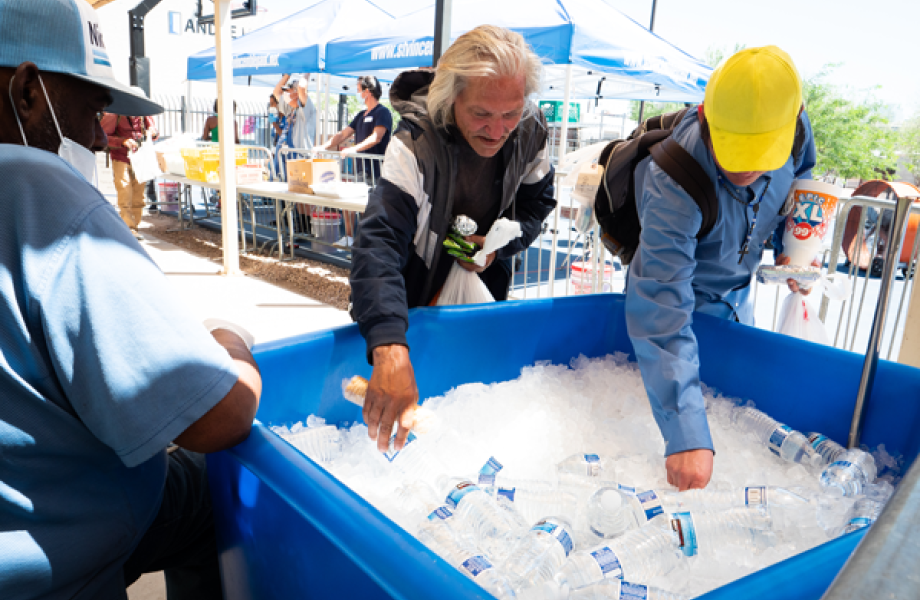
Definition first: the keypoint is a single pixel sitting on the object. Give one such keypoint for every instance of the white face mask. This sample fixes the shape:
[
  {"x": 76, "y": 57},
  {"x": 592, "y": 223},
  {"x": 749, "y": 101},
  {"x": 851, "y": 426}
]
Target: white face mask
[{"x": 80, "y": 158}]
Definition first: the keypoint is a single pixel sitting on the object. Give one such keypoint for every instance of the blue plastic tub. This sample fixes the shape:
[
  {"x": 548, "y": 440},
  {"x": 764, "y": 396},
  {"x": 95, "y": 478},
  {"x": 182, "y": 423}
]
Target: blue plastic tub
[{"x": 288, "y": 529}]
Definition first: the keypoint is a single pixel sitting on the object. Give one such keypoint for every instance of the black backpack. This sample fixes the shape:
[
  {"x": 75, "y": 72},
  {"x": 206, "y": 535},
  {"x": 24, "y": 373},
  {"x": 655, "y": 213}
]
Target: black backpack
[{"x": 615, "y": 202}]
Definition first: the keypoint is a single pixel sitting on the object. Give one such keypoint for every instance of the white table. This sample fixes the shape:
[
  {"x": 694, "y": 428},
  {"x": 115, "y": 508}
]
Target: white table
[
  {"x": 278, "y": 190},
  {"x": 186, "y": 194}
]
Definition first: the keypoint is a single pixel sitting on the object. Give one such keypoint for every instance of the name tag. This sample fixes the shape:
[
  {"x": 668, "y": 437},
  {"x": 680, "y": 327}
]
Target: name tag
[{"x": 368, "y": 119}]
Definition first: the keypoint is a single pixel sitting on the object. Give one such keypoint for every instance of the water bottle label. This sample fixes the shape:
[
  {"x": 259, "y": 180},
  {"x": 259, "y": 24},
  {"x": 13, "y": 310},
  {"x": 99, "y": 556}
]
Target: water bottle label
[
  {"x": 777, "y": 438},
  {"x": 843, "y": 464},
  {"x": 651, "y": 504},
  {"x": 682, "y": 524},
  {"x": 593, "y": 462},
  {"x": 460, "y": 490},
  {"x": 608, "y": 562},
  {"x": 859, "y": 523},
  {"x": 507, "y": 493},
  {"x": 817, "y": 440},
  {"x": 755, "y": 495},
  {"x": 476, "y": 565},
  {"x": 488, "y": 471},
  {"x": 442, "y": 513},
  {"x": 392, "y": 452},
  {"x": 625, "y": 488},
  {"x": 561, "y": 535},
  {"x": 633, "y": 591}
]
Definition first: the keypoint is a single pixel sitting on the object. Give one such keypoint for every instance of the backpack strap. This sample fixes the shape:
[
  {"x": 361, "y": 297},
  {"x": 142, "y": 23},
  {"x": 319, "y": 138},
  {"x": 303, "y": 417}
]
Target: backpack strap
[{"x": 687, "y": 172}]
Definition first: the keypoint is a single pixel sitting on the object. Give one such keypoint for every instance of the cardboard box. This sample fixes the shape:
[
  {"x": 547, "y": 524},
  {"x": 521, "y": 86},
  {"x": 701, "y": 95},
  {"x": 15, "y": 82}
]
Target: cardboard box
[{"x": 303, "y": 173}]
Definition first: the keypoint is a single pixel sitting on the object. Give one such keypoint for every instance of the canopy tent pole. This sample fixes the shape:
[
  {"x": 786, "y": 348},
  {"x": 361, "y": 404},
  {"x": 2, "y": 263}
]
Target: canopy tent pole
[
  {"x": 651, "y": 27},
  {"x": 226, "y": 128},
  {"x": 563, "y": 135},
  {"x": 328, "y": 84},
  {"x": 442, "y": 12}
]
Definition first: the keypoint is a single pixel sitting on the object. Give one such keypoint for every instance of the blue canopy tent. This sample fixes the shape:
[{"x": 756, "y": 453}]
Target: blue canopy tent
[
  {"x": 295, "y": 44},
  {"x": 599, "y": 43}
]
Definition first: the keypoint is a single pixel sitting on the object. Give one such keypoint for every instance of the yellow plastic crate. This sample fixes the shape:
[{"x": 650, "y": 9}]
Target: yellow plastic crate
[
  {"x": 210, "y": 162},
  {"x": 194, "y": 169}
]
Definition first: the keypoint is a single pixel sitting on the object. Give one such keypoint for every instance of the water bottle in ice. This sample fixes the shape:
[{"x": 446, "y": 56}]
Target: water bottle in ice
[
  {"x": 617, "y": 589},
  {"x": 438, "y": 535},
  {"x": 763, "y": 495},
  {"x": 322, "y": 444},
  {"x": 781, "y": 440},
  {"x": 826, "y": 447},
  {"x": 587, "y": 466},
  {"x": 613, "y": 511},
  {"x": 638, "y": 555},
  {"x": 532, "y": 499},
  {"x": 746, "y": 528},
  {"x": 870, "y": 506},
  {"x": 494, "y": 528},
  {"x": 538, "y": 554},
  {"x": 849, "y": 474}
]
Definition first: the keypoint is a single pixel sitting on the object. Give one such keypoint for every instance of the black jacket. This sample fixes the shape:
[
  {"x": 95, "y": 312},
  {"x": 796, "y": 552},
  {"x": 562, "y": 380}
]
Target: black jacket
[{"x": 397, "y": 249}]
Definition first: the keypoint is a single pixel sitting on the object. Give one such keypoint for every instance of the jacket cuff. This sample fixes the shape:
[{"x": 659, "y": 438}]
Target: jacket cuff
[
  {"x": 688, "y": 430},
  {"x": 383, "y": 333}
]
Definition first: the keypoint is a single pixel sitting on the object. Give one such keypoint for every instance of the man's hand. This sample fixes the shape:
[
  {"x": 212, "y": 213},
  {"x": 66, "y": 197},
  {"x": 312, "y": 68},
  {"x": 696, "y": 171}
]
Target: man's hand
[
  {"x": 390, "y": 396},
  {"x": 130, "y": 144},
  {"x": 347, "y": 151},
  {"x": 690, "y": 469},
  {"x": 480, "y": 241},
  {"x": 781, "y": 260}
]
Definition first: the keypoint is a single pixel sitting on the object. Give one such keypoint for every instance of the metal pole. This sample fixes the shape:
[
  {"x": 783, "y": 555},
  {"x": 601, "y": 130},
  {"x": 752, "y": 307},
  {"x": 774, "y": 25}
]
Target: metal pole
[
  {"x": 899, "y": 227},
  {"x": 651, "y": 27},
  {"x": 226, "y": 127},
  {"x": 442, "y": 12},
  {"x": 564, "y": 126},
  {"x": 884, "y": 564}
]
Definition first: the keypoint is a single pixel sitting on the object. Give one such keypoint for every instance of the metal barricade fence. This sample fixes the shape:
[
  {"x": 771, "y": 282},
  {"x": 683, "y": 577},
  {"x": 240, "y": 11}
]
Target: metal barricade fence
[
  {"x": 262, "y": 211},
  {"x": 850, "y": 326},
  {"x": 183, "y": 115}
]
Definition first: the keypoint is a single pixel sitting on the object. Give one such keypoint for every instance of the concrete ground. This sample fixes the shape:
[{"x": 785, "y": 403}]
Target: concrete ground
[{"x": 265, "y": 310}]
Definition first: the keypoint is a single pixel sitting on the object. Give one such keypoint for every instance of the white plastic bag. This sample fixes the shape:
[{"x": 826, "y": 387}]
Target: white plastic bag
[
  {"x": 465, "y": 287},
  {"x": 799, "y": 319},
  {"x": 144, "y": 163}
]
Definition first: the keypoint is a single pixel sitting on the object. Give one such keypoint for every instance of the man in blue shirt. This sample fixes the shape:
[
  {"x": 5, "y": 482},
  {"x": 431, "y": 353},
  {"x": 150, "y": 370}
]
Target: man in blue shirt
[
  {"x": 742, "y": 136},
  {"x": 100, "y": 367}
]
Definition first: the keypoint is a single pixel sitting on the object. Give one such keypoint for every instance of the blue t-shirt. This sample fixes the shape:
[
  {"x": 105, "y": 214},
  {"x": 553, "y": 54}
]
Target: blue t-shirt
[
  {"x": 100, "y": 368},
  {"x": 364, "y": 124}
]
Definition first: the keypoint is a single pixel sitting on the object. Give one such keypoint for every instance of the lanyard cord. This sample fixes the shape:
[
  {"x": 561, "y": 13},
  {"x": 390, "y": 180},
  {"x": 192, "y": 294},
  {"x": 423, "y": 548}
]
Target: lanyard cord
[{"x": 755, "y": 205}]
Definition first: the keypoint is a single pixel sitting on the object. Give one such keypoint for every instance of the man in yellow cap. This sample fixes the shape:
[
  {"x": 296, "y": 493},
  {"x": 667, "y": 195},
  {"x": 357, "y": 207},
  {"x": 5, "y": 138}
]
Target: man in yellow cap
[{"x": 742, "y": 136}]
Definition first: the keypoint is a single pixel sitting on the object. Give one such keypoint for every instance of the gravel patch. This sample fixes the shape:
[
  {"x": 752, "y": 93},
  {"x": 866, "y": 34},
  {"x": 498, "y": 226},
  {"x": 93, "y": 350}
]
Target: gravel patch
[{"x": 319, "y": 281}]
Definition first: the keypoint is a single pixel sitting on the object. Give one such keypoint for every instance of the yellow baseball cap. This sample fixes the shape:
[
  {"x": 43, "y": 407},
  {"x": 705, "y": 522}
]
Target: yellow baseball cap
[{"x": 752, "y": 102}]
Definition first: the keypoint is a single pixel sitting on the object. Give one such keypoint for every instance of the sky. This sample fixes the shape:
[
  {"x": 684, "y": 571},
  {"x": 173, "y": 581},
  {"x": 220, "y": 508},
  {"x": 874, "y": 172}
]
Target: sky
[{"x": 875, "y": 42}]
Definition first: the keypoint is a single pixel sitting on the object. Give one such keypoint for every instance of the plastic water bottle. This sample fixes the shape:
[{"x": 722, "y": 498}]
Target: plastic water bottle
[
  {"x": 535, "y": 500},
  {"x": 537, "y": 556},
  {"x": 764, "y": 495},
  {"x": 869, "y": 507},
  {"x": 587, "y": 466},
  {"x": 494, "y": 528},
  {"x": 746, "y": 528},
  {"x": 638, "y": 555},
  {"x": 612, "y": 511},
  {"x": 437, "y": 534},
  {"x": 781, "y": 440},
  {"x": 322, "y": 444},
  {"x": 849, "y": 474},
  {"x": 826, "y": 447},
  {"x": 617, "y": 589}
]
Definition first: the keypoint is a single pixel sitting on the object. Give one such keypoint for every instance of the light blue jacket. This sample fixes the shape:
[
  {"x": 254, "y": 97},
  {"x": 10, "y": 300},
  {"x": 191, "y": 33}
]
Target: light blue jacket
[{"x": 673, "y": 274}]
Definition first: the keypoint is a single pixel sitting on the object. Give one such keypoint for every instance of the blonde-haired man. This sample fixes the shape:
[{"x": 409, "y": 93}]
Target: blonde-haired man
[{"x": 469, "y": 143}]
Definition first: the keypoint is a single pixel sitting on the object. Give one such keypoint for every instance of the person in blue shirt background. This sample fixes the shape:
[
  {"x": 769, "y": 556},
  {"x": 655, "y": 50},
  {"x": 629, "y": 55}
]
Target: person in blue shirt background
[
  {"x": 101, "y": 367},
  {"x": 371, "y": 129},
  {"x": 742, "y": 136}
]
